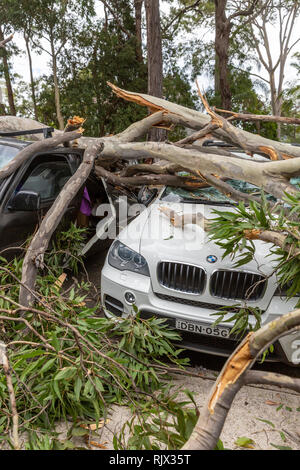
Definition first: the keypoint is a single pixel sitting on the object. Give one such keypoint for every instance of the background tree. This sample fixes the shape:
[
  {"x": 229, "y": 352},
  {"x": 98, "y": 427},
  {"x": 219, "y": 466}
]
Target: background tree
[
  {"x": 20, "y": 19},
  {"x": 154, "y": 57},
  {"x": 283, "y": 14},
  {"x": 6, "y": 70},
  {"x": 138, "y": 5}
]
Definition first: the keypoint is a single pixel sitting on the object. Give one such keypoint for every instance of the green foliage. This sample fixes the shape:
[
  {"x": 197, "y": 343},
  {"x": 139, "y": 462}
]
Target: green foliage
[
  {"x": 68, "y": 362},
  {"x": 281, "y": 433},
  {"x": 167, "y": 426},
  {"x": 245, "y": 319},
  {"x": 49, "y": 441},
  {"x": 232, "y": 232},
  {"x": 228, "y": 229},
  {"x": 65, "y": 250},
  {"x": 245, "y": 442},
  {"x": 100, "y": 52}
]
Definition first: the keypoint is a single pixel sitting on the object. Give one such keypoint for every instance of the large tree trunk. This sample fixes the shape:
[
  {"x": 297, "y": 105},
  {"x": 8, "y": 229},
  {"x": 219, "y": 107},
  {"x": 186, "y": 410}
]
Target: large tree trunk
[
  {"x": 222, "y": 35},
  {"x": 138, "y": 4},
  {"x": 155, "y": 62},
  {"x": 10, "y": 94}
]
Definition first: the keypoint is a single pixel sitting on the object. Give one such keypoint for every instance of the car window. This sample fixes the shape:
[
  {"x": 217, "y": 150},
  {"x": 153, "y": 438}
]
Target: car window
[
  {"x": 212, "y": 195},
  {"x": 7, "y": 153},
  {"x": 47, "y": 179},
  {"x": 208, "y": 194}
]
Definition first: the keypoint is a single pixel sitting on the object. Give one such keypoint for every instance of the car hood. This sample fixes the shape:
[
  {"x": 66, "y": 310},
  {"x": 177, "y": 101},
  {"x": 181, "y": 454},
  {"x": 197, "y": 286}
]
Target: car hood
[
  {"x": 160, "y": 240},
  {"x": 154, "y": 237}
]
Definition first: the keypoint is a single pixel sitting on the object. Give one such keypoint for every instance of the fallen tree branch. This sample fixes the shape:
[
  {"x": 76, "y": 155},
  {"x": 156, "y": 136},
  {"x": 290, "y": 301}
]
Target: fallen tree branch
[
  {"x": 239, "y": 139},
  {"x": 258, "y": 117},
  {"x": 272, "y": 177},
  {"x": 268, "y": 236},
  {"x": 34, "y": 148},
  {"x": 151, "y": 179},
  {"x": 195, "y": 120},
  {"x": 179, "y": 220},
  {"x": 229, "y": 191},
  {"x": 168, "y": 169},
  {"x": 140, "y": 128},
  {"x": 271, "y": 378},
  {"x": 198, "y": 135}
]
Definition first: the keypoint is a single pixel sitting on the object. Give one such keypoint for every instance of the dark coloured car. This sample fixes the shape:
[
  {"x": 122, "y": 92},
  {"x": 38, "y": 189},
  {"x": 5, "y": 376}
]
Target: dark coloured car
[{"x": 27, "y": 194}]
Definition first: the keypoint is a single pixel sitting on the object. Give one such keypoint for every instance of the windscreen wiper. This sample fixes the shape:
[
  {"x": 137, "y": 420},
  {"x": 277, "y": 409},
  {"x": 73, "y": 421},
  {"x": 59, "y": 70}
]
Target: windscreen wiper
[{"x": 206, "y": 201}]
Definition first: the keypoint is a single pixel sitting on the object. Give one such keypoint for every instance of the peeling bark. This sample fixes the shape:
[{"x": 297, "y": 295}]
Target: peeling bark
[
  {"x": 195, "y": 120},
  {"x": 271, "y": 176}
]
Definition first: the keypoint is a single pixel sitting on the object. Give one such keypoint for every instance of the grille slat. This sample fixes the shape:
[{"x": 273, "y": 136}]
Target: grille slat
[
  {"x": 237, "y": 285},
  {"x": 187, "y": 278},
  {"x": 223, "y": 283},
  {"x": 197, "y": 303},
  {"x": 193, "y": 279},
  {"x": 181, "y": 277}
]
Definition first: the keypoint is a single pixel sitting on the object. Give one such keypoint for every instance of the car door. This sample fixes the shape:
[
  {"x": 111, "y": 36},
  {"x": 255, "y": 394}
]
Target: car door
[{"x": 45, "y": 175}]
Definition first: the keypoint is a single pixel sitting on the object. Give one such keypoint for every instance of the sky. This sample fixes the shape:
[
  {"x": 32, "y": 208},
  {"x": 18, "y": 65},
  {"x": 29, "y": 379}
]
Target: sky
[{"x": 41, "y": 62}]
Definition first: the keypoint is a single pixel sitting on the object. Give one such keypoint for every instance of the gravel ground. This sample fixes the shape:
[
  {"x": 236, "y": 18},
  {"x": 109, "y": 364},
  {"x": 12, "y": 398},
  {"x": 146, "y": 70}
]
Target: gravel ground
[{"x": 254, "y": 414}]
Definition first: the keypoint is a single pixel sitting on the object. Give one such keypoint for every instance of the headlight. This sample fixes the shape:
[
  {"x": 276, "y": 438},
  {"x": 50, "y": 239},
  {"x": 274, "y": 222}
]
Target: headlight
[{"x": 125, "y": 259}]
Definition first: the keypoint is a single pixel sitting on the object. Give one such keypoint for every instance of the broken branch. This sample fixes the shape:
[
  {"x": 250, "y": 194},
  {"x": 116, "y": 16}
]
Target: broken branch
[{"x": 12, "y": 398}]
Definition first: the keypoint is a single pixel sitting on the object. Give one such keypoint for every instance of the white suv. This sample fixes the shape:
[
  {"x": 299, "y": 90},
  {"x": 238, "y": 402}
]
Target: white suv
[{"x": 178, "y": 274}]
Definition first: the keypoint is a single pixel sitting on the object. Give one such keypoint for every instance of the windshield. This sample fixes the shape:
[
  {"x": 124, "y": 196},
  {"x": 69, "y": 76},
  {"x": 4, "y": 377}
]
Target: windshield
[
  {"x": 212, "y": 195},
  {"x": 7, "y": 153}
]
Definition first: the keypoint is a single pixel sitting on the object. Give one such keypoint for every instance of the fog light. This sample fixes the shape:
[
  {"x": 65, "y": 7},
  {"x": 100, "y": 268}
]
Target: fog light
[{"x": 130, "y": 298}]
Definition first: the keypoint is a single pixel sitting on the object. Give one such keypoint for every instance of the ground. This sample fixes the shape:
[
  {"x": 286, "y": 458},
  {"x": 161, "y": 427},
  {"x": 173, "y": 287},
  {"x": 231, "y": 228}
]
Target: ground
[{"x": 267, "y": 415}]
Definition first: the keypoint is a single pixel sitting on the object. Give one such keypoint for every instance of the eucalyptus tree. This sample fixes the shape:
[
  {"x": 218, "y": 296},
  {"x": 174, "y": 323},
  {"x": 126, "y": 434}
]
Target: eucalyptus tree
[
  {"x": 282, "y": 18},
  {"x": 20, "y": 19},
  {"x": 223, "y": 19},
  {"x": 5, "y": 54},
  {"x": 101, "y": 51},
  {"x": 48, "y": 25},
  {"x": 154, "y": 54}
]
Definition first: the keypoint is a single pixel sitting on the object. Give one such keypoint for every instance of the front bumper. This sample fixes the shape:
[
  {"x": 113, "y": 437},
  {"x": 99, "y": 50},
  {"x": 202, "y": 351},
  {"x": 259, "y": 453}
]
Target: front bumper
[{"x": 115, "y": 284}]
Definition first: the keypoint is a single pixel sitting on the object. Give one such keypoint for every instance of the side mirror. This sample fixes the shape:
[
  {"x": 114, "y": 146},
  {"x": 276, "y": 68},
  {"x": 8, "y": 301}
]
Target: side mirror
[
  {"x": 25, "y": 201},
  {"x": 146, "y": 195}
]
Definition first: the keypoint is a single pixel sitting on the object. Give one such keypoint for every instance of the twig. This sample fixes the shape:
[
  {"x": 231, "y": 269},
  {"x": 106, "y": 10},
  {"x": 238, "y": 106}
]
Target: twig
[{"x": 12, "y": 398}]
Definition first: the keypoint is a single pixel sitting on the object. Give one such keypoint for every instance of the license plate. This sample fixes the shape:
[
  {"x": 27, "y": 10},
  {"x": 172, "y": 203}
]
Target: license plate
[{"x": 202, "y": 328}]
